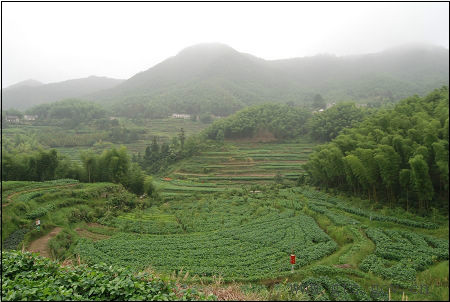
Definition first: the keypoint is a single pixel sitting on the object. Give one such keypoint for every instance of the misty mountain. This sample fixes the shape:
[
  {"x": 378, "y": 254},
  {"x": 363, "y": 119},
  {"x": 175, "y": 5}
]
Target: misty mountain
[
  {"x": 26, "y": 83},
  {"x": 28, "y": 93},
  {"x": 218, "y": 79}
]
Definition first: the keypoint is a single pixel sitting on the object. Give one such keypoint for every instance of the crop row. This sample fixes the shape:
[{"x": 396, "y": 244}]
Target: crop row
[
  {"x": 338, "y": 204},
  {"x": 399, "y": 255},
  {"x": 255, "y": 249},
  {"x": 332, "y": 289}
]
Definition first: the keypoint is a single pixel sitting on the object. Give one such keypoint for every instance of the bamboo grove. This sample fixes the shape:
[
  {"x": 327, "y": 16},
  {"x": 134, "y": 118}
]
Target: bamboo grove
[{"x": 398, "y": 156}]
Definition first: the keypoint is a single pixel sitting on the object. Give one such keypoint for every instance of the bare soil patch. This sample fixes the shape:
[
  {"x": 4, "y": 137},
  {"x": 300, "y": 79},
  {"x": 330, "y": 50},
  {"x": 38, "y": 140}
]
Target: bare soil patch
[{"x": 40, "y": 245}]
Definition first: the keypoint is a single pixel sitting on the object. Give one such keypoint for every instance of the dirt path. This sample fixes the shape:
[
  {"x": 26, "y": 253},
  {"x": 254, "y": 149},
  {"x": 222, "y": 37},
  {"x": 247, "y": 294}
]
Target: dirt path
[
  {"x": 41, "y": 245},
  {"x": 9, "y": 198}
]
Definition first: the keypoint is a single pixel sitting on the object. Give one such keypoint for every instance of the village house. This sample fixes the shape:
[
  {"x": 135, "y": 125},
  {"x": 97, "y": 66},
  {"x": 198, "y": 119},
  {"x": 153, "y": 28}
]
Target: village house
[
  {"x": 12, "y": 119},
  {"x": 181, "y": 115},
  {"x": 30, "y": 117}
]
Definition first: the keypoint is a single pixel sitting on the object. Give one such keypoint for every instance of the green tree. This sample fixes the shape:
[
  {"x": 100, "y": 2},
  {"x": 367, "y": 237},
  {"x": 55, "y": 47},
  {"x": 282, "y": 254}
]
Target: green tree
[
  {"x": 405, "y": 183},
  {"x": 181, "y": 137},
  {"x": 421, "y": 180},
  {"x": 319, "y": 102}
]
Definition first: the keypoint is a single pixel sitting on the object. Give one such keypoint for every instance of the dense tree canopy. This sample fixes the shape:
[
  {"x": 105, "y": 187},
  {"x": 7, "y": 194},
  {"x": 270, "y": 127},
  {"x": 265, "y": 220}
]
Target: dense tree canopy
[
  {"x": 326, "y": 125},
  {"x": 113, "y": 165},
  {"x": 398, "y": 155},
  {"x": 282, "y": 121},
  {"x": 68, "y": 113}
]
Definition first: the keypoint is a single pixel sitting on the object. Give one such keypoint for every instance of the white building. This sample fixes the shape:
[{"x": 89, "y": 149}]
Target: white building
[
  {"x": 12, "y": 119},
  {"x": 181, "y": 115},
  {"x": 30, "y": 117}
]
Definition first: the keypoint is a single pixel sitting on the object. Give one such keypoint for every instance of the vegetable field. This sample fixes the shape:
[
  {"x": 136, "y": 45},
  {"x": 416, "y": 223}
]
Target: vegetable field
[
  {"x": 238, "y": 234},
  {"x": 238, "y": 164}
]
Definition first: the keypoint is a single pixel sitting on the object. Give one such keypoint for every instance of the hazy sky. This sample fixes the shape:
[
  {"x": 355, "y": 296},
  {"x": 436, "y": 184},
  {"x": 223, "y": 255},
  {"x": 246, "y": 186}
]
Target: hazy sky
[{"x": 53, "y": 42}]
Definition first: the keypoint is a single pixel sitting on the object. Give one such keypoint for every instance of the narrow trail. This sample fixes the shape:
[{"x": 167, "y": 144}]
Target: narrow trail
[
  {"x": 40, "y": 245},
  {"x": 9, "y": 198}
]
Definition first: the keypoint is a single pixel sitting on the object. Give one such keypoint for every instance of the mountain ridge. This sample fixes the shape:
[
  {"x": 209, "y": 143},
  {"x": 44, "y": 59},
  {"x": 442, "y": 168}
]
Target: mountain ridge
[
  {"x": 20, "y": 96},
  {"x": 220, "y": 80}
]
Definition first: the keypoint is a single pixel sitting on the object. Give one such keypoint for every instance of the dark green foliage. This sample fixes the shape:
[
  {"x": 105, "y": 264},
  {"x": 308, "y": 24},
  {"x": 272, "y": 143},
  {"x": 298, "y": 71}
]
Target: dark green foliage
[
  {"x": 273, "y": 120},
  {"x": 206, "y": 118},
  {"x": 81, "y": 213},
  {"x": 123, "y": 135},
  {"x": 399, "y": 155},
  {"x": 399, "y": 255},
  {"x": 13, "y": 240},
  {"x": 68, "y": 113},
  {"x": 221, "y": 80},
  {"x": 319, "y": 102},
  {"x": 326, "y": 125},
  {"x": 115, "y": 166},
  {"x": 60, "y": 244},
  {"x": 323, "y": 288},
  {"x": 26, "y": 276},
  {"x": 158, "y": 157},
  {"x": 320, "y": 202},
  {"x": 41, "y": 211},
  {"x": 37, "y": 166},
  {"x": 112, "y": 165}
]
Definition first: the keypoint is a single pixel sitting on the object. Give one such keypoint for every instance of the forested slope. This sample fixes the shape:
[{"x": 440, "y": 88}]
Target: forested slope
[
  {"x": 217, "y": 79},
  {"x": 398, "y": 155},
  {"x": 274, "y": 120},
  {"x": 23, "y": 96}
]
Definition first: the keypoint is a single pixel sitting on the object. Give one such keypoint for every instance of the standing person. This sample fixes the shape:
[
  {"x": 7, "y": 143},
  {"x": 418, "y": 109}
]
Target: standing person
[{"x": 38, "y": 224}]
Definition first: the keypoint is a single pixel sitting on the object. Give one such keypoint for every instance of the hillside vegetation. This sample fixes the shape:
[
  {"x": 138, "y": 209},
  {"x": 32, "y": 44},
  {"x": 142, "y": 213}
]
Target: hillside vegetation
[
  {"x": 223, "y": 209},
  {"x": 26, "y": 94},
  {"x": 399, "y": 155},
  {"x": 343, "y": 247},
  {"x": 28, "y": 277},
  {"x": 216, "y": 78},
  {"x": 278, "y": 121}
]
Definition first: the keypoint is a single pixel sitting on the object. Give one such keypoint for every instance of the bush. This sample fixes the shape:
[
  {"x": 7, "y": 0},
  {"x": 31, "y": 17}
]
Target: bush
[
  {"x": 28, "y": 277},
  {"x": 81, "y": 213},
  {"x": 60, "y": 244}
]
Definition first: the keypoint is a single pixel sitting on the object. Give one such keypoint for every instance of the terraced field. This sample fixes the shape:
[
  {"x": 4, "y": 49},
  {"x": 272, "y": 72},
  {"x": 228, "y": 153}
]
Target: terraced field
[
  {"x": 239, "y": 164},
  {"x": 342, "y": 250},
  {"x": 99, "y": 140}
]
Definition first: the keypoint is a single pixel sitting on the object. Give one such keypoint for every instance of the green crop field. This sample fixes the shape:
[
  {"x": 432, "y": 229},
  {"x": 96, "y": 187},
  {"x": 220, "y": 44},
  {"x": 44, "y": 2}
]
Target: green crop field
[
  {"x": 237, "y": 214},
  {"x": 70, "y": 142},
  {"x": 236, "y": 234},
  {"x": 237, "y": 165}
]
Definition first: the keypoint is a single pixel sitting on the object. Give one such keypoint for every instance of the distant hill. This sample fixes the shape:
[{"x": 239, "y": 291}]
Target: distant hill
[
  {"x": 215, "y": 78},
  {"x": 218, "y": 79},
  {"x": 26, "y": 83},
  {"x": 29, "y": 93}
]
